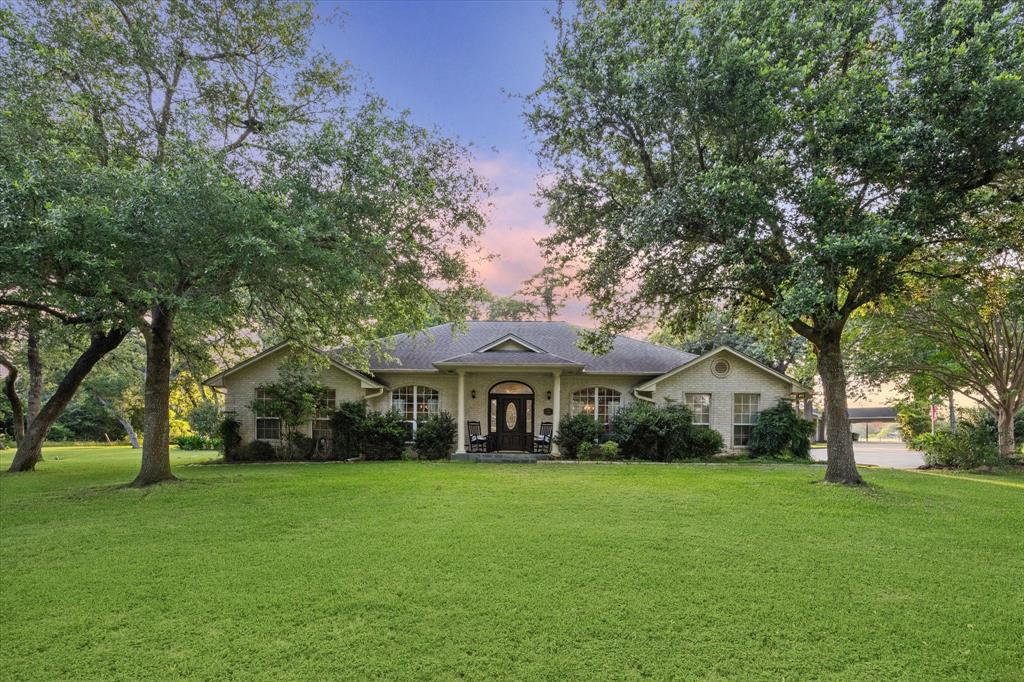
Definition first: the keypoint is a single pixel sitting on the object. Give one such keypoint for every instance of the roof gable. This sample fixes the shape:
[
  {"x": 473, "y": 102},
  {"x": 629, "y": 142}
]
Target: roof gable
[
  {"x": 507, "y": 343},
  {"x": 218, "y": 379},
  {"x": 650, "y": 385}
]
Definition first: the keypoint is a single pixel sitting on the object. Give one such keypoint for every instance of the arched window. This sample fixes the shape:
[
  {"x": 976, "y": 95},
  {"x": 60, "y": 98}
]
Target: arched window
[
  {"x": 415, "y": 403},
  {"x": 600, "y": 402}
]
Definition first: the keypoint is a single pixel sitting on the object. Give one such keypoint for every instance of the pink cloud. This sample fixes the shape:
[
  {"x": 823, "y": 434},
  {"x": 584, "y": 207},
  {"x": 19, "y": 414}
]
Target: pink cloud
[{"x": 515, "y": 223}]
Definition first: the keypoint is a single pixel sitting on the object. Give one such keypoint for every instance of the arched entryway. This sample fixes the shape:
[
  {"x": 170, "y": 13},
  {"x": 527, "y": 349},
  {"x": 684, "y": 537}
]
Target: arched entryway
[{"x": 510, "y": 415}]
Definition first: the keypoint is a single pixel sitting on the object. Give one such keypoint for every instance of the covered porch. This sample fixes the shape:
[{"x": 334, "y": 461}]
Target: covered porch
[{"x": 506, "y": 398}]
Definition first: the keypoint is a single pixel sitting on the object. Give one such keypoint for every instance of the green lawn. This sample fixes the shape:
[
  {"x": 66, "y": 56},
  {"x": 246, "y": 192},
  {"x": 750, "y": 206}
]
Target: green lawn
[{"x": 436, "y": 570}]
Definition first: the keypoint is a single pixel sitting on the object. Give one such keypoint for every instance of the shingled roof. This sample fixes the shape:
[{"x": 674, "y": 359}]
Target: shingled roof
[{"x": 556, "y": 342}]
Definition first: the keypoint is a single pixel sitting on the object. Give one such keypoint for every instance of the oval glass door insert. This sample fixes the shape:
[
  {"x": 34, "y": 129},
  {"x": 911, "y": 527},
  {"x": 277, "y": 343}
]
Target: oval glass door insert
[{"x": 511, "y": 416}]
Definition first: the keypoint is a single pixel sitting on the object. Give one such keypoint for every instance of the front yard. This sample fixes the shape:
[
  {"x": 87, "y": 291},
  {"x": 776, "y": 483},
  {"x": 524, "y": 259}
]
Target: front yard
[{"x": 426, "y": 570}]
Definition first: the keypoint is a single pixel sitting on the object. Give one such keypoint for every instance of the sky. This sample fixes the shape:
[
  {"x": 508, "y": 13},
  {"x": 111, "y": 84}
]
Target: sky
[{"x": 456, "y": 66}]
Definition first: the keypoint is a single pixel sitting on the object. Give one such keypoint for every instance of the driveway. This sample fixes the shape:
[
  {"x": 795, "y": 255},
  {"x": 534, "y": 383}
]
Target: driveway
[{"x": 891, "y": 455}]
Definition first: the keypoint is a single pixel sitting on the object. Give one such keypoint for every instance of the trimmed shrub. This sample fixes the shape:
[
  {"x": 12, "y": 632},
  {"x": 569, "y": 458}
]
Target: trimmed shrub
[
  {"x": 587, "y": 451},
  {"x": 655, "y": 434},
  {"x": 348, "y": 429},
  {"x": 579, "y": 428},
  {"x": 256, "y": 451},
  {"x": 230, "y": 437},
  {"x": 662, "y": 434},
  {"x": 435, "y": 437},
  {"x": 384, "y": 435},
  {"x": 780, "y": 432},
  {"x": 610, "y": 450},
  {"x": 705, "y": 442},
  {"x": 968, "y": 448}
]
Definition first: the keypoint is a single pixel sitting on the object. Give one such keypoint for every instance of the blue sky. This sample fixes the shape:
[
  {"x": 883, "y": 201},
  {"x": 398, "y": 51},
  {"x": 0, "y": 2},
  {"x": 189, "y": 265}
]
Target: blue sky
[{"x": 453, "y": 65}]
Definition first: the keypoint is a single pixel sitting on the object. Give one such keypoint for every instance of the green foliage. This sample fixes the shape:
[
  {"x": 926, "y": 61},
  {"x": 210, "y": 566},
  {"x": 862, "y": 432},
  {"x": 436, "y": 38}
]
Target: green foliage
[
  {"x": 87, "y": 420},
  {"x": 204, "y": 419},
  {"x": 198, "y": 442},
  {"x": 348, "y": 429},
  {"x": 780, "y": 432},
  {"x": 230, "y": 436},
  {"x": 796, "y": 159},
  {"x": 573, "y": 431},
  {"x": 662, "y": 434},
  {"x": 60, "y": 433},
  {"x": 610, "y": 450},
  {"x": 209, "y": 167},
  {"x": 587, "y": 451},
  {"x": 985, "y": 421},
  {"x": 965, "y": 449},
  {"x": 914, "y": 418},
  {"x": 384, "y": 435},
  {"x": 974, "y": 444},
  {"x": 255, "y": 451},
  {"x": 510, "y": 308},
  {"x": 435, "y": 437},
  {"x": 292, "y": 398}
]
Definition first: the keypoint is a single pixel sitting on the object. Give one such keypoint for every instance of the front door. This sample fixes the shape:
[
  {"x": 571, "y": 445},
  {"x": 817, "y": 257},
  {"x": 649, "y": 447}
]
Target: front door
[{"x": 513, "y": 416}]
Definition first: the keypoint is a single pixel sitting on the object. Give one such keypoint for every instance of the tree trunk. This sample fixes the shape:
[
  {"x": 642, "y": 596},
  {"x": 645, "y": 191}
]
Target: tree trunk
[
  {"x": 30, "y": 448},
  {"x": 952, "y": 414},
  {"x": 35, "y": 376},
  {"x": 35, "y": 379},
  {"x": 11, "y": 391},
  {"x": 841, "y": 467},
  {"x": 1004, "y": 422},
  {"x": 156, "y": 449}
]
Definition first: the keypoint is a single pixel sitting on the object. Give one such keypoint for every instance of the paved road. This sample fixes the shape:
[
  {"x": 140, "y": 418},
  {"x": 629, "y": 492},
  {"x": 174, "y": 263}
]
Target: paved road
[{"x": 892, "y": 455}]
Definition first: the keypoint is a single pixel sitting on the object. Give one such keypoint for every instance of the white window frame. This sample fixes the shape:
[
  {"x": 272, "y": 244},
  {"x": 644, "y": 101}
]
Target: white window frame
[
  {"x": 268, "y": 421},
  {"x": 327, "y": 401},
  {"x": 705, "y": 411},
  {"x": 432, "y": 403},
  {"x": 745, "y": 419},
  {"x": 599, "y": 397}
]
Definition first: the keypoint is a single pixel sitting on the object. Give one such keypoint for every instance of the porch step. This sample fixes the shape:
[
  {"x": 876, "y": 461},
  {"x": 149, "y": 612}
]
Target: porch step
[{"x": 499, "y": 457}]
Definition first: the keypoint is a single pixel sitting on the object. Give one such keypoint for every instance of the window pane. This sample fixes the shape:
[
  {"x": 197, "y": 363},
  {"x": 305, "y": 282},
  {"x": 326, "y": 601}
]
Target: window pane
[
  {"x": 325, "y": 403},
  {"x": 608, "y": 401},
  {"x": 744, "y": 416},
  {"x": 401, "y": 400},
  {"x": 494, "y": 415},
  {"x": 745, "y": 408},
  {"x": 428, "y": 401},
  {"x": 741, "y": 435},
  {"x": 268, "y": 428},
  {"x": 511, "y": 416},
  {"x": 321, "y": 429},
  {"x": 583, "y": 402},
  {"x": 512, "y": 388},
  {"x": 262, "y": 404},
  {"x": 700, "y": 406}
]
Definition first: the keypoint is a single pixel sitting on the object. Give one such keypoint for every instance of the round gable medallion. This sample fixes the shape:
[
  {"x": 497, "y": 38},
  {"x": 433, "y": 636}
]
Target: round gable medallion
[{"x": 720, "y": 367}]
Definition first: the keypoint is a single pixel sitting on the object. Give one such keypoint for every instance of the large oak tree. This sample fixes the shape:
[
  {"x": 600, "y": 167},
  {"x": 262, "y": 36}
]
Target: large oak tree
[
  {"x": 772, "y": 154},
  {"x": 231, "y": 181}
]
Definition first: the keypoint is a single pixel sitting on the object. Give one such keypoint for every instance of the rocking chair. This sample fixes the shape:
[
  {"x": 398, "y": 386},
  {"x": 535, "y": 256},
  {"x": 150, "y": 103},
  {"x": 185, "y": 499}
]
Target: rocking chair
[
  {"x": 542, "y": 441},
  {"x": 477, "y": 441}
]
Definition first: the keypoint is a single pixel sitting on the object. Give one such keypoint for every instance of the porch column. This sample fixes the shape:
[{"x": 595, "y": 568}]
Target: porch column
[
  {"x": 556, "y": 408},
  {"x": 460, "y": 447}
]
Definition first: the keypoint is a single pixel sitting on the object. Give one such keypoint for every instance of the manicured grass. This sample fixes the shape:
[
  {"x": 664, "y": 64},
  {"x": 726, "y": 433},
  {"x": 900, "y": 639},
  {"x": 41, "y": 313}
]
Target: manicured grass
[{"x": 428, "y": 570}]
